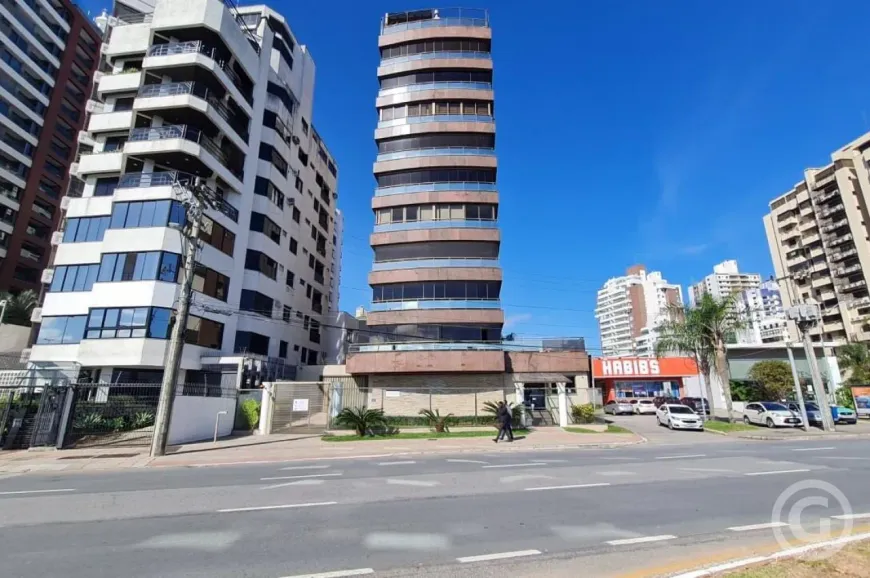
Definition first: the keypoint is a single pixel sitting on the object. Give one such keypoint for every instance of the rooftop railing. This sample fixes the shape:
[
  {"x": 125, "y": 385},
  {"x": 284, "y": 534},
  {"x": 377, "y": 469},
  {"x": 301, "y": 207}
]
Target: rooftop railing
[{"x": 418, "y": 19}]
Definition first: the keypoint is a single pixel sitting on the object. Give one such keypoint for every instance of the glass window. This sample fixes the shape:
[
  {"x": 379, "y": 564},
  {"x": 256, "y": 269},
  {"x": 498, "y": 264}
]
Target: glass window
[
  {"x": 92, "y": 273},
  {"x": 411, "y": 213},
  {"x": 57, "y": 280},
  {"x": 69, "y": 233},
  {"x": 427, "y": 213},
  {"x": 158, "y": 327},
  {"x": 472, "y": 212},
  {"x": 146, "y": 217},
  {"x": 177, "y": 215},
  {"x": 75, "y": 329},
  {"x": 119, "y": 215},
  {"x": 169, "y": 267},
  {"x": 398, "y": 214},
  {"x": 69, "y": 280},
  {"x": 150, "y": 265},
  {"x": 51, "y": 331},
  {"x": 81, "y": 278},
  {"x": 134, "y": 214},
  {"x": 161, "y": 213}
]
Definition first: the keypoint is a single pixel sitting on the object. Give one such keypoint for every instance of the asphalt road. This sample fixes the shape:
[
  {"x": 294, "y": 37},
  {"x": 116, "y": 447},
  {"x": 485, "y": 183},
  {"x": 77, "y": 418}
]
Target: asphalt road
[{"x": 467, "y": 515}]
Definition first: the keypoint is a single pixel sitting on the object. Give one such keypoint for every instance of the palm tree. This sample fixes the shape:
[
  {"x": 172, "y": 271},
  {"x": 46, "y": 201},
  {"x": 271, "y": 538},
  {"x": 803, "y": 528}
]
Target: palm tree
[
  {"x": 854, "y": 359},
  {"x": 440, "y": 423},
  {"x": 360, "y": 419},
  {"x": 19, "y": 307},
  {"x": 702, "y": 332}
]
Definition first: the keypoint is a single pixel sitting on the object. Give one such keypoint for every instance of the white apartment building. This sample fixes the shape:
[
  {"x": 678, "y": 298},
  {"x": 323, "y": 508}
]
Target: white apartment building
[
  {"x": 629, "y": 308},
  {"x": 335, "y": 279},
  {"x": 195, "y": 89},
  {"x": 764, "y": 315},
  {"x": 725, "y": 280}
]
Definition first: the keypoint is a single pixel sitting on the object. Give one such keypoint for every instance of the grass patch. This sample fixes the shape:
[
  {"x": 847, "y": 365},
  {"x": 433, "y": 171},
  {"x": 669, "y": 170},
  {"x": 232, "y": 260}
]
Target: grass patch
[
  {"x": 725, "y": 427},
  {"x": 421, "y": 436},
  {"x": 610, "y": 429},
  {"x": 852, "y": 561}
]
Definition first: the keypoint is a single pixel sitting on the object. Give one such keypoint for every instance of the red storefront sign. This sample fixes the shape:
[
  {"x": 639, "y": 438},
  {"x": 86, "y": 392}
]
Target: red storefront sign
[{"x": 632, "y": 367}]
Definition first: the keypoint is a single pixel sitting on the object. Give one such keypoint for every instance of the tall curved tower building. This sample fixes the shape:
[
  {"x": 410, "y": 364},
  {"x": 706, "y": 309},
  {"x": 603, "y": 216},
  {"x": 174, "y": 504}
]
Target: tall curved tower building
[{"x": 436, "y": 275}]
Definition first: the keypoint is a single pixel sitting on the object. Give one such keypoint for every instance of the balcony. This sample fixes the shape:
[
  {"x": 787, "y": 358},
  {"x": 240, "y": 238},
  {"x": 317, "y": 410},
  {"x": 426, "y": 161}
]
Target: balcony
[
  {"x": 855, "y": 303},
  {"x": 819, "y": 184},
  {"x": 844, "y": 271},
  {"x": 435, "y": 118},
  {"x": 843, "y": 255},
  {"x": 435, "y": 56},
  {"x": 437, "y": 304},
  {"x": 854, "y": 285},
  {"x": 123, "y": 81},
  {"x": 830, "y": 225},
  {"x": 457, "y": 85},
  {"x": 110, "y": 121},
  {"x": 434, "y": 263},
  {"x": 831, "y": 210},
  {"x": 417, "y": 225},
  {"x": 435, "y": 152},
  {"x": 833, "y": 241},
  {"x": 170, "y": 179},
  {"x": 420, "y": 19},
  {"x": 96, "y": 163},
  {"x": 433, "y": 187}
]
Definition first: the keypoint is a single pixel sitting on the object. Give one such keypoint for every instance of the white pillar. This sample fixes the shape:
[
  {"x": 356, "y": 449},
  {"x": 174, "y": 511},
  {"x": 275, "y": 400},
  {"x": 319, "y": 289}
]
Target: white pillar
[
  {"x": 563, "y": 405},
  {"x": 520, "y": 393},
  {"x": 266, "y": 405}
]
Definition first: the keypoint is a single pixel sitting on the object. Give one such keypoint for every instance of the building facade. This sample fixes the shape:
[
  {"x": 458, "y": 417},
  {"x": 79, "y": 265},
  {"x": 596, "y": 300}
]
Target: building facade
[
  {"x": 200, "y": 92},
  {"x": 630, "y": 307},
  {"x": 725, "y": 280},
  {"x": 49, "y": 54},
  {"x": 762, "y": 311},
  {"x": 817, "y": 234}
]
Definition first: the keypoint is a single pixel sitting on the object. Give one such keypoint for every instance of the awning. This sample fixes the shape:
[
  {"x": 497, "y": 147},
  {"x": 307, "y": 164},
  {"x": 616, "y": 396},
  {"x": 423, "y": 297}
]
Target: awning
[{"x": 541, "y": 378}]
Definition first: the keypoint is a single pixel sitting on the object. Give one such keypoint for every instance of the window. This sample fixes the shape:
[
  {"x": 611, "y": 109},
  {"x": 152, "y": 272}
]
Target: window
[
  {"x": 217, "y": 236},
  {"x": 303, "y": 157},
  {"x": 294, "y": 246},
  {"x": 209, "y": 282},
  {"x": 268, "y": 153},
  {"x": 482, "y": 290},
  {"x": 455, "y": 175},
  {"x": 204, "y": 332},
  {"x": 74, "y": 278},
  {"x": 256, "y": 302},
  {"x": 291, "y": 279},
  {"x": 250, "y": 342},
  {"x": 296, "y": 214},
  {"x": 304, "y": 126},
  {"x": 257, "y": 261},
  {"x": 106, "y": 187},
  {"x": 438, "y": 140},
  {"x": 61, "y": 330},
  {"x": 123, "y": 104},
  {"x": 263, "y": 224},
  {"x": 436, "y": 76},
  {"x": 312, "y": 357},
  {"x": 49, "y": 188},
  {"x": 282, "y": 349},
  {"x": 149, "y": 266},
  {"x": 128, "y": 322},
  {"x": 147, "y": 214},
  {"x": 265, "y": 188},
  {"x": 286, "y": 314},
  {"x": 85, "y": 229}
]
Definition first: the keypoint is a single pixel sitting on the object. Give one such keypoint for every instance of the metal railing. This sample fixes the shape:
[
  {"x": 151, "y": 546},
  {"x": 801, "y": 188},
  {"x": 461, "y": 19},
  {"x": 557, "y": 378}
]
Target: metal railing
[
  {"x": 168, "y": 179},
  {"x": 438, "y": 224},
  {"x": 198, "y": 90},
  {"x": 447, "y": 85},
  {"x": 435, "y": 118},
  {"x": 413, "y": 20},
  {"x": 443, "y": 303},
  {"x": 129, "y": 19},
  {"x": 430, "y": 187},
  {"x": 179, "y": 131},
  {"x": 436, "y": 152},
  {"x": 10, "y": 195},
  {"x": 424, "y": 263},
  {"x": 475, "y": 54},
  {"x": 199, "y": 47}
]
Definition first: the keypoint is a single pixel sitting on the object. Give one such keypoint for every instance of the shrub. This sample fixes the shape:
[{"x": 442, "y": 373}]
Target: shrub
[
  {"x": 583, "y": 413},
  {"x": 491, "y": 409},
  {"x": 844, "y": 397},
  {"x": 141, "y": 420},
  {"x": 361, "y": 420},
  {"x": 248, "y": 417},
  {"x": 440, "y": 423}
]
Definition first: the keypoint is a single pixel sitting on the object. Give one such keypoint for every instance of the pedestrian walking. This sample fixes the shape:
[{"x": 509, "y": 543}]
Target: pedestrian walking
[{"x": 503, "y": 418}]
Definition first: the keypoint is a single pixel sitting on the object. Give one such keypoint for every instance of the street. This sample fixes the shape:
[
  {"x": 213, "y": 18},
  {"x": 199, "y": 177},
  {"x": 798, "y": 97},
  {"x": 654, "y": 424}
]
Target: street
[{"x": 405, "y": 516}]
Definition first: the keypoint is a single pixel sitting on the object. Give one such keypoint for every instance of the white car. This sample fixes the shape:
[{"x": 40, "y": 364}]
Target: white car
[
  {"x": 642, "y": 406},
  {"x": 771, "y": 414},
  {"x": 617, "y": 407},
  {"x": 677, "y": 416}
]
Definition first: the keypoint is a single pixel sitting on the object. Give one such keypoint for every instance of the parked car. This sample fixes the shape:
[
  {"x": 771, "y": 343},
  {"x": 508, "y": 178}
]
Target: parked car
[
  {"x": 770, "y": 413},
  {"x": 842, "y": 414},
  {"x": 814, "y": 414},
  {"x": 617, "y": 407},
  {"x": 658, "y": 401},
  {"x": 678, "y": 416},
  {"x": 642, "y": 406},
  {"x": 698, "y": 404}
]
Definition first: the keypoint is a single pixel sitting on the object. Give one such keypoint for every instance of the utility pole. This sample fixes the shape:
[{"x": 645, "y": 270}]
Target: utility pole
[
  {"x": 797, "y": 387},
  {"x": 806, "y": 316},
  {"x": 195, "y": 197},
  {"x": 2, "y": 311}
]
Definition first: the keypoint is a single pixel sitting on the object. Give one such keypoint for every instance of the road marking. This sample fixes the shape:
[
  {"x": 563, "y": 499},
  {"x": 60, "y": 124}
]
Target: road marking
[
  {"x": 407, "y": 541},
  {"x": 296, "y": 483},
  {"x": 419, "y": 483},
  {"x": 306, "y": 468},
  {"x": 407, "y": 463},
  {"x": 851, "y": 517},
  {"x": 336, "y": 574},
  {"x": 21, "y": 492},
  {"x": 530, "y": 464},
  {"x": 467, "y": 462},
  {"x": 641, "y": 540},
  {"x": 682, "y": 457},
  {"x": 281, "y": 507},
  {"x": 842, "y": 458},
  {"x": 757, "y": 526},
  {"x": 573, "y": 486},
  {"x": 775, "y": 472},
  {"x": 714, "y": 470},
  {"x": 512, "y": 479},
  {"x": 301, "y": 477},
  {"x": 811, "y": 449},
  {"x": 499, "y": 556}
]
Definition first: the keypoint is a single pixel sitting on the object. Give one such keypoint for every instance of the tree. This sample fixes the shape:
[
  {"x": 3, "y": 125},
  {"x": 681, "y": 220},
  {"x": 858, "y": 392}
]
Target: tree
[
  {"x": 774, "y": 376},
  {"x": 854, "y": 359},
  {"x": 360, "y": 419},
  {"x": 19, "y": 307},
  {"x": 702, "y": 331}
]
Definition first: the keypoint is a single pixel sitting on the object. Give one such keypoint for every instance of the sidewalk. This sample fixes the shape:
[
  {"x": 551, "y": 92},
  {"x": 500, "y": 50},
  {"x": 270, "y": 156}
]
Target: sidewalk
[{"x": 284, "y": 448}]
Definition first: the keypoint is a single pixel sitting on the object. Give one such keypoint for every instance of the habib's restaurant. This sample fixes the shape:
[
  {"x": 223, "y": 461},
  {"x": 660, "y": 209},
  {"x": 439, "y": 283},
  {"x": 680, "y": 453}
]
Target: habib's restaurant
[{"x": 638, "y": 377}]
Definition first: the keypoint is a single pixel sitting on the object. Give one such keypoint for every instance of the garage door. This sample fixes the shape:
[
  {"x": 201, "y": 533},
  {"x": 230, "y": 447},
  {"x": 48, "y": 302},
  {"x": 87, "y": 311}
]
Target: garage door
[{"x": 300, "y": 407}]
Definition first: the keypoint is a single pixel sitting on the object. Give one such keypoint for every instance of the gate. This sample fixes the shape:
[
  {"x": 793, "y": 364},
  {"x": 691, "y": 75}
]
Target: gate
[
  {"x": 299, "y": 407},
  {"x": 105, "y": 414}
]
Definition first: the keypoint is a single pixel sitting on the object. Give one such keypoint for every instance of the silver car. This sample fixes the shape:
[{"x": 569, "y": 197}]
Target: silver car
[{"x": 617, "y": 407}]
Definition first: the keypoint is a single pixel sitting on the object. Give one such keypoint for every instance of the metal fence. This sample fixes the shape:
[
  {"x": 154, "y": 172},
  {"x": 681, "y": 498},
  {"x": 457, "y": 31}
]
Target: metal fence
[
  {"x": 30, "y": 416},
  {"x": 112, "y": 415}
]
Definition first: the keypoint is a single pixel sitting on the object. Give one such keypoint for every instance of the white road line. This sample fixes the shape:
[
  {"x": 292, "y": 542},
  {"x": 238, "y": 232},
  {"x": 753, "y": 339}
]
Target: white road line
[
  {"x": 467, "y": 462},
  {"x": 336, "y": 574},
  {"x": 306, "y": 468},
  {"x": 573, "y": 486},
  {"x": 22, "y": 492},
  {"x": 301, "y": 477},
  {"x": 407, "y": 463},
  {"x": 641, "y": 540},
  {"x": 296, "y": 483},
  {"x": 775, "y": 472},
  {"x": 682, "y": 457},
  {"x": 851, "y": 517},
  {"x": 499, "y": 556},
  {"x": 530, "y": 464},
  {"x": 757, "y": 526},
  {"x": 418, "y": 483},
  {"x": 281, "y": 507},
  {"x": 811, "y": 449}
]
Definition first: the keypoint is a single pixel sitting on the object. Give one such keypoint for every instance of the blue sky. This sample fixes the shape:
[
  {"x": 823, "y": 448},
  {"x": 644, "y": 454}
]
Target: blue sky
[{"x": 628, "y": 132}]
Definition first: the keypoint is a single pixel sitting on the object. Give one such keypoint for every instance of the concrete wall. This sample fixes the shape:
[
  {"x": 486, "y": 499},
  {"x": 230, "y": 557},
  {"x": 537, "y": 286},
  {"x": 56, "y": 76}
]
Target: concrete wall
[
  {"x": 13, "y": 338},
  {"x": 193, "y": 418}
]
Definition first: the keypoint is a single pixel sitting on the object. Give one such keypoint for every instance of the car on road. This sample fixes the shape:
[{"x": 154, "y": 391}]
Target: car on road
[
  {"x": 679, "y": 416},
  {"x": 698, "y": 404},
  {"x": 814, "y": 414},
  {"x": 642, "y": 406},
  {"x": 843, "y": 414},
  {"x": 770, "y": 413},
  {"x": 658, "y": 401},
  {"x": 617, "y": 407}
]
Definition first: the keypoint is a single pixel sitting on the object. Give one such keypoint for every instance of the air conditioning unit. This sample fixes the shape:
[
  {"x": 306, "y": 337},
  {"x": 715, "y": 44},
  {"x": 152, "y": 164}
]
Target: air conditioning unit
[
  {"x": 64, "y": 203},
  {"x": 291, "y": 202},
  {"x": 295, "y": 139},
  {"x": 56, "y": 238},
  {"x": 36, "y": 315},
  {"x": 74, "y": 169},
  {"x": 104, "y": 47},
  {"x": 47, "y": 276},
  {"x": 97, "y": 76},
  {"x": 90, "y": 105},
  {"x": 85, "y": 138}
]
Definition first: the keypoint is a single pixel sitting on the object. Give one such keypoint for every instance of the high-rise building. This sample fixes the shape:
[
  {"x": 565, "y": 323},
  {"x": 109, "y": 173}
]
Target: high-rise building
[
  {"x": 196, "y": 90},
  {"x": 817, "y": 233},
  {"x": 725, "y": 280},
  {"x": 48, "y": 53},
  {"x": 630, "y": 307},
  {"x": 763, "y": 315}
]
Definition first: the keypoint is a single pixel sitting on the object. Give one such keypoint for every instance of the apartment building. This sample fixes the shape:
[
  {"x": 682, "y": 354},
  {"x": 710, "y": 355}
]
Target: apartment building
[
  {"x": 630, "y": 307},
  {"x": 197, "y": 91},
  {"x": 818, "y": 238},
  {"x": 764, "y": 316},
  {"x": 48, "y": 53},
  {"x": 725, "y": 280}
]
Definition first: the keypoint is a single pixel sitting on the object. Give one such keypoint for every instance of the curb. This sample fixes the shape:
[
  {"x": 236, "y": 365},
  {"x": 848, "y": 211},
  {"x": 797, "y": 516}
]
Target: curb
[{"x": 804, "y": 438}]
